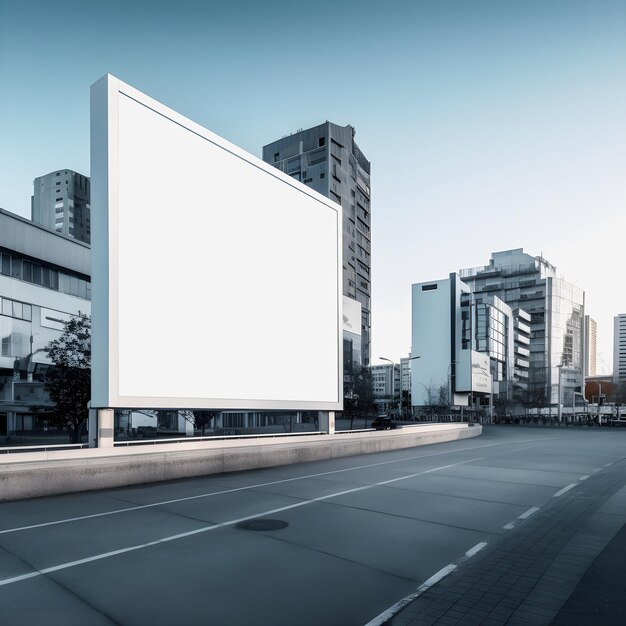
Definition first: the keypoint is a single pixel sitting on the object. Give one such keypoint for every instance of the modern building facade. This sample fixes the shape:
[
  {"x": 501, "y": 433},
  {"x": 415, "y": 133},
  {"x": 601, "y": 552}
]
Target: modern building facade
[
  {"x": 466, "y": 344},
  {"x": 405, "y": 385},
  {"x": 521, "y": 346},
  {"x": 591, "y": 341},
  {"x": 327, "y": 159},
  {"x": 619, "y": 348},
  {"x": 44, "y": 279},
  {"x": 352, "y": 343},
  {"x": 556, "y": 308},
  {"x": 61, "y": 201},
  {"x": 386, "y": 386}
]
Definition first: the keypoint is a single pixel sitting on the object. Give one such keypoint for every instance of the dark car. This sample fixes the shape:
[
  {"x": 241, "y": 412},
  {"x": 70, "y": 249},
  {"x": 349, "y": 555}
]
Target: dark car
[{"x": 384, "y": 422}]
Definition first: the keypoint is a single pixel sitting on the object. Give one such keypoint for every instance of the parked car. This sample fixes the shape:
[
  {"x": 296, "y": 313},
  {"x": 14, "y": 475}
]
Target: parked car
[
  {"x": 384, "y": 422},
  {"x": 146, "y": 431}
]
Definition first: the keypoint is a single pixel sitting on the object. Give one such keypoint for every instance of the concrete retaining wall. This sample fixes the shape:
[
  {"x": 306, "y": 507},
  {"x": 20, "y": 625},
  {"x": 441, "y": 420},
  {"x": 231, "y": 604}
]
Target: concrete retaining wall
[{"x": 29, "y": 475}]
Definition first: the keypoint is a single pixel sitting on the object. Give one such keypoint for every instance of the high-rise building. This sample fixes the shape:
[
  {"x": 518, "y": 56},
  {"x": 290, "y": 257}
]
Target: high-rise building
[
  {"x": 591, "y": 340},
  {"x": 556, "y": 309},
  {"x": 327, "y": 159},
  {"x": 619, "y": 348},
  {"x": 468, "y": 349},
  {"x": 61, "y": 201}
]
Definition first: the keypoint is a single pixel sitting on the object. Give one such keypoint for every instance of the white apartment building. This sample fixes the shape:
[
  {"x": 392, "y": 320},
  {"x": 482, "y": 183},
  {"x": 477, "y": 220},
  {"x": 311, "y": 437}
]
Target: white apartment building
[
  {"x": 619, "y": 348},
  {"x": 591, "y": 343}
]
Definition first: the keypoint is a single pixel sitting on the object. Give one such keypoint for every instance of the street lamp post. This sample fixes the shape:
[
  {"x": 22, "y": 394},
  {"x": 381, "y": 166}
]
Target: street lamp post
[
  {"x": 450, "y": 384},
  {"x": 411, "y": 358}
]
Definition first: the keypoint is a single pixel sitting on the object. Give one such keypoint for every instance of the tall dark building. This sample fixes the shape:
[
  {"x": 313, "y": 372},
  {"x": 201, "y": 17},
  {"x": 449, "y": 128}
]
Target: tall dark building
[
  {"x": 327, "y": 158},
  {"x": 61, "y": 201}
]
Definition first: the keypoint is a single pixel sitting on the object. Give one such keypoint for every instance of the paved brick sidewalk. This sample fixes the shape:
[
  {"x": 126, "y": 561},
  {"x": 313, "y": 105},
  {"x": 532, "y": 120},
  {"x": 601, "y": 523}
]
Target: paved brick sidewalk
[
  {"x": 526, "y": 576},
  {"x": 600, "y": 597}
]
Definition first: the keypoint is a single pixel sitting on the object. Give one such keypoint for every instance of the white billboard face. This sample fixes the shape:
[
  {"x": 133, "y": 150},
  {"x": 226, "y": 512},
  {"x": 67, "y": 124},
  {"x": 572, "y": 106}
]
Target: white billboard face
[
  {"x": 481, "y": 373},
  {"x": 216, "y": 278}
]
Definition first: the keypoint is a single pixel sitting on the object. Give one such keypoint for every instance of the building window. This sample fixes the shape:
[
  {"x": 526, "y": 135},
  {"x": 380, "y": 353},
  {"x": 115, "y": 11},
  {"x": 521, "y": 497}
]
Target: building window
[
  {"x": 322, "y": 175},
  {"x": 16, "y": 268},
  {"x": 276, "y": 155},
  {"x": 321, "y": 142}
]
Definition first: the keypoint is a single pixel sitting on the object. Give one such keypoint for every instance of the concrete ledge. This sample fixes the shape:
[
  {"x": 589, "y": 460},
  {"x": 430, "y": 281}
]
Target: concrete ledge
[{"x": 35, "y": 474}]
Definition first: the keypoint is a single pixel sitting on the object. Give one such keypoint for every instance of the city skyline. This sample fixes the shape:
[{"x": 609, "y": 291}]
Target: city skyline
[{"x": 489, "y": 126}]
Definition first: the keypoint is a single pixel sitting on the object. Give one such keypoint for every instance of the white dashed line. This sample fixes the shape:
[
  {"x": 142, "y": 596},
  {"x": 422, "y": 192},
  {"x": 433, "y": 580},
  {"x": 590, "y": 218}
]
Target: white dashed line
[
  {"x": 584, "y": 477},
  {"x": 528, "y": 513},
  {"x": 475, "y": 550},
  {"x": 564, "y": 490},
  {"x": 509, "y": 526},
  {"x": 385, "y": 616},
  {"x": 597, "y": 469},
  {"x": 608, "y": 465}
]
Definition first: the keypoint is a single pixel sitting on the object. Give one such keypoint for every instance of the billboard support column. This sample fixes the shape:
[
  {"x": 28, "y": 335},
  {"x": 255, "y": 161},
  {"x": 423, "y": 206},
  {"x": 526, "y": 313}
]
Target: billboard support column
[
  {"x": 327, "y": 422},
  {"x": 105, "y": 428},
  {"x": 92, "y": 427}
]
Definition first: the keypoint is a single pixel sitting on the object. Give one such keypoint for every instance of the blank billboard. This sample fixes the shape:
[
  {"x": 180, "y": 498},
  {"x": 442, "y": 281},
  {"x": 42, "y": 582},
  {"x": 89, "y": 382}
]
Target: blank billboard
[{"x": 216, "y": 278}]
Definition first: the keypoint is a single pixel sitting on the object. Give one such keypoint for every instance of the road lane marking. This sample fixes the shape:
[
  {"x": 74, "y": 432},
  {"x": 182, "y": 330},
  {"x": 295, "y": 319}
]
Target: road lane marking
[
  {"x": 476, "y": 549},
  {"x": 608, "y": 465},
  {"x": 509, "y": 526},
  {"x": 597, "y": 469},
  {"x": 385, "y": 616},
  {"x": 235, "y": 489},
  {"x": 204, "y": 529},
  {"x": 584, "y": 477},
  {"x": 564, "y": 490},
  {"x": 528, "y": 513}
]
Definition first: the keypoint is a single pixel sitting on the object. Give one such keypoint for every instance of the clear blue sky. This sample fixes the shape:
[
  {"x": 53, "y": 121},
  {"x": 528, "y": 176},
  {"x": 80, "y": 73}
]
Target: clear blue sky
[{"x": 490, "y": 124}]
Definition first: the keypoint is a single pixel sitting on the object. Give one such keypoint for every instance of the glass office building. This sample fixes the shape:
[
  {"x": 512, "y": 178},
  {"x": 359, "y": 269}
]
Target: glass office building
[{"x": 556, "y": 308}]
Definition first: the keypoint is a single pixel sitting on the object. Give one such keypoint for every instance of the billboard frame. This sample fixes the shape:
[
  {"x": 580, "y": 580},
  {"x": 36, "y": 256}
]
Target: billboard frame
[{"x": 105, "y": 203}]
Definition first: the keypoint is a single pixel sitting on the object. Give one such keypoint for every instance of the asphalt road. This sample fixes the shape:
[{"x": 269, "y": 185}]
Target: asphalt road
[{"x": 331, "y": 542}]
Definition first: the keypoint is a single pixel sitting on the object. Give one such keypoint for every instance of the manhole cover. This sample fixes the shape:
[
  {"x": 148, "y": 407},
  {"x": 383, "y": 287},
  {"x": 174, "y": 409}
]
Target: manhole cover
[{"x": 262, "y": 524}]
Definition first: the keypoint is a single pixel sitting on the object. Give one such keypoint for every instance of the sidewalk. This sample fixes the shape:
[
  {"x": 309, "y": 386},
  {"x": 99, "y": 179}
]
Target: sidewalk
[{"x": 565, "y": 564}]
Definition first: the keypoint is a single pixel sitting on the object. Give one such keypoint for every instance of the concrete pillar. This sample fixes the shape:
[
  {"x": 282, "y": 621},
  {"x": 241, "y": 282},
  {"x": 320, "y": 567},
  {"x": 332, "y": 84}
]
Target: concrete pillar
[
  {"x": 189, "y": 428},
  {"x": 105, "y": 428},
  {"x": 92, "y": 428},
  {"x": 327, "y": 422}
]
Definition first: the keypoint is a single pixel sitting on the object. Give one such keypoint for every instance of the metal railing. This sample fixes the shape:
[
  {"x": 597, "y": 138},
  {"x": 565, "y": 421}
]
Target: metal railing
[{"x": 43, "y": 447}]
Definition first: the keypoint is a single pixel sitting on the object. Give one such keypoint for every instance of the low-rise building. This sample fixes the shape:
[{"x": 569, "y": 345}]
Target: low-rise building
[{"x": 44, "y": 279}]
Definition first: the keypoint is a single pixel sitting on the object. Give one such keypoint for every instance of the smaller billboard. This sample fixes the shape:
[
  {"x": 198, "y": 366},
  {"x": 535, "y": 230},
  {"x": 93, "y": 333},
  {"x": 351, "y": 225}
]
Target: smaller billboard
[{"x": 481, "y": 373}]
